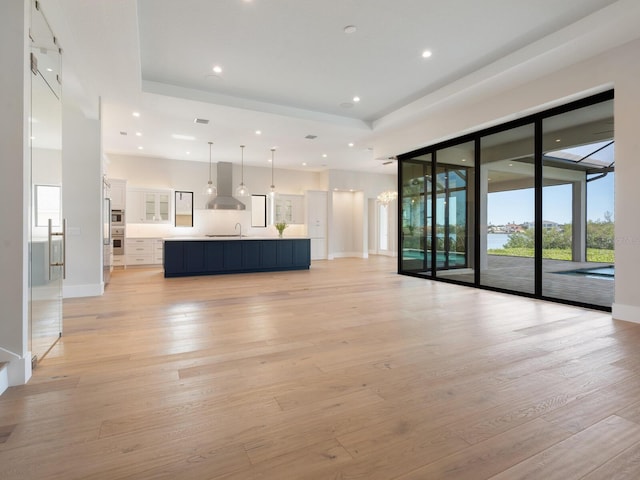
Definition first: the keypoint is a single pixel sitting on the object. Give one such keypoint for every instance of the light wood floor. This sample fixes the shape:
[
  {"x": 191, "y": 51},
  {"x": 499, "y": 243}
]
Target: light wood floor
[{"x": 345, "y": 371}]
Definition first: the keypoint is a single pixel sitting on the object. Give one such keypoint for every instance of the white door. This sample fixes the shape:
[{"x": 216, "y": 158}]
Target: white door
[{"x": 316, "y": 214}]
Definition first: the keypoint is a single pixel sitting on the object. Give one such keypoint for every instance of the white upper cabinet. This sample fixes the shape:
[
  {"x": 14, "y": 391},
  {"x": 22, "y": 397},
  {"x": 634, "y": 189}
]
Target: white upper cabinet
[{"x": 118, "y": 194}]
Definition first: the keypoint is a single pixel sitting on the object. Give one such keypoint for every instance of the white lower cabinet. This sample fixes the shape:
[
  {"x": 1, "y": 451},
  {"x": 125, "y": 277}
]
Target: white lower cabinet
[{"x": 143, "y": 251}]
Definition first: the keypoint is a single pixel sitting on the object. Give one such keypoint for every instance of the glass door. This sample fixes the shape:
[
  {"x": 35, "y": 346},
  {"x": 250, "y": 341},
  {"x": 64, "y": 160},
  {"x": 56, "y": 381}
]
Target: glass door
[
  {"x": 416, "y": 224},
  {"x": 47, "y": 252},
  {"x": 454, "y": 187}
]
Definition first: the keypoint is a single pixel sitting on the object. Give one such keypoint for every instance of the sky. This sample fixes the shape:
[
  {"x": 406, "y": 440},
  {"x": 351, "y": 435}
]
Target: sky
[{"x": 518, "y": 206}]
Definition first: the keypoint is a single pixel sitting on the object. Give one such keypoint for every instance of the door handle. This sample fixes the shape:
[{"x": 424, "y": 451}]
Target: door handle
[{"x": 50, "y": 236}]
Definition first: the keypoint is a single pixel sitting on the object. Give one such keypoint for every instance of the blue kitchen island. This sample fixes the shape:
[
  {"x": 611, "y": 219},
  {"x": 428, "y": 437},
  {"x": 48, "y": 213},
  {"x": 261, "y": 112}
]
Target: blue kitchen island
[{"x": 187, "y": 256}]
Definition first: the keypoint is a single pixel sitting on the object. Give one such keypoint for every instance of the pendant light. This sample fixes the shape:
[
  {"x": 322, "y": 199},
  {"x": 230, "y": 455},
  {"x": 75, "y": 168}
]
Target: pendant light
[
  {"x": 242, "y": 190},
  {"x": 273, "y": 187},
  {"x": 210, "y": 189}
]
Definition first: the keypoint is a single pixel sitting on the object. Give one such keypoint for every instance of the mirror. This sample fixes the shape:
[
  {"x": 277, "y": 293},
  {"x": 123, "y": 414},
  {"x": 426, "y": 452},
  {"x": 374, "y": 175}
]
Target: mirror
[
  {"x": 184, "y": 209},
  {"x": 258, "y": 210}
]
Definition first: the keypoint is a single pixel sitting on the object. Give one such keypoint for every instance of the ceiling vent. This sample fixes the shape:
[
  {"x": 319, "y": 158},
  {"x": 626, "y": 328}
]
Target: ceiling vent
[
  {"x": 311, "y": 137},
  {"x": 123, "y": 133},
  {"x": 202, "y": 121}
]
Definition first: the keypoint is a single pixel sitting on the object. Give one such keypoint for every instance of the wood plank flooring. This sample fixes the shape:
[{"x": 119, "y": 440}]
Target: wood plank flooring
[{"x": 345, "y": 371}]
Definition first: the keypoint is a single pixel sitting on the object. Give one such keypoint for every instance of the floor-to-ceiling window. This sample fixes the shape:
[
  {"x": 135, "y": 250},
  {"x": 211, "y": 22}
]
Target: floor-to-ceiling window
[{"x": 537, "y": 218}]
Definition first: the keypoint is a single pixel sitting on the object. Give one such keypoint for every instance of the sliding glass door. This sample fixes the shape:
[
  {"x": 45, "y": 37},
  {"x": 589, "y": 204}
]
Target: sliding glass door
[
  {"x": 507, "y": 210},
  {"x": 415, "y": 241},
  {"x": 538, "y": 217},
  {"x": 454, "y": 196}
]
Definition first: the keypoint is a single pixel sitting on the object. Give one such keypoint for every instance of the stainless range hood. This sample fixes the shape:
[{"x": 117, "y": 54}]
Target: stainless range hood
[{"x": 224, "y": 200}]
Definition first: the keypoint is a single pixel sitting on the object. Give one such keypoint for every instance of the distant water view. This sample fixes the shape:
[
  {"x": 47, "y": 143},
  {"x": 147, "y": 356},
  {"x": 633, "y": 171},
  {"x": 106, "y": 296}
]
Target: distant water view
[{"x": 496, "y": 240}]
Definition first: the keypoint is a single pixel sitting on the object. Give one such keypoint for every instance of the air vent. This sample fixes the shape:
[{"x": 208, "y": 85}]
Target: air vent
[
  {"x": 202, "y": 121},
  {"x": 311, "y": 137},
  {"x": 123, "y": 133}
]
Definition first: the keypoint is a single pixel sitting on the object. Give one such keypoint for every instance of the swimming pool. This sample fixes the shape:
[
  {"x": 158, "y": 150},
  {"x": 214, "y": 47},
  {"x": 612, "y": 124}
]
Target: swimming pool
[{"x": 604, "y": 273}]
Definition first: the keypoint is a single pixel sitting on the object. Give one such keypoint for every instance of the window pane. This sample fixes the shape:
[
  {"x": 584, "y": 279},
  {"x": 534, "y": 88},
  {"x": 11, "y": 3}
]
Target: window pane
[
  {"x": 507, "y": 210},
  {"x": 454, "y": 187},
  {"x": 416, "y": 215},
  {"x": 578, "y": 170}
]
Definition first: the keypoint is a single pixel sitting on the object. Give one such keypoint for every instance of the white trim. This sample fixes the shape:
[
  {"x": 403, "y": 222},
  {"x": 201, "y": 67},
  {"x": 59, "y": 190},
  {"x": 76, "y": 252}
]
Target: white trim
[
  {"x": 17, "y": 370},
  {"x": 4, "y": 378},
  {"x": 349, "y": 254},
  {"x": 627, "y": 313},
  {"x": 74, "y": 291}
]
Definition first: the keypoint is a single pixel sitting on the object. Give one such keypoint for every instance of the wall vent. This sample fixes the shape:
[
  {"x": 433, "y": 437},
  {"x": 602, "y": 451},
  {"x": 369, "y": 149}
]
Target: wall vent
[{"x": 202, "y": 121}]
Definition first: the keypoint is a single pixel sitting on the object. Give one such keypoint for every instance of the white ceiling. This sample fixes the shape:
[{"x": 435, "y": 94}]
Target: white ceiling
[{"x": 289, "y": 68}]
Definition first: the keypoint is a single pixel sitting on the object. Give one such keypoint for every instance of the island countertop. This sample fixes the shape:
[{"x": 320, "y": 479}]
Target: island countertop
[{"x": 207, "y": 238}]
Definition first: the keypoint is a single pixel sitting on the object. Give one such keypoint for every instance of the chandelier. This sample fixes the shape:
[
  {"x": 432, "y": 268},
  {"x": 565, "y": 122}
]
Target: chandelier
[{"x": 386, "y": 197}]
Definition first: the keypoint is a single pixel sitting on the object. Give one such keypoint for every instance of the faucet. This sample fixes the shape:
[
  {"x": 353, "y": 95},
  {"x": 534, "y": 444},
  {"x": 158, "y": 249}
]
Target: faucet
[{"x": 239, "y": 225}]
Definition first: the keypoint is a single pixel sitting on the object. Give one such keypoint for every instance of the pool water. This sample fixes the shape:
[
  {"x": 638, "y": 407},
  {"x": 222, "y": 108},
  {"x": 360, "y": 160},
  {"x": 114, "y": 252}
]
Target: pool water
[{"x": 604, "y": 273}]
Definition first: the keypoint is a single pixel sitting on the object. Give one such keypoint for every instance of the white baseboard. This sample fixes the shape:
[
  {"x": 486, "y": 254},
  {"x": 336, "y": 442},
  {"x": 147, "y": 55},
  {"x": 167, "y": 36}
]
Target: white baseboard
[
  {"x": 17, "y": 369},
  {"x": 74, "y": 291},
  {"x": 4, "y": 377},
  {"x": 627, "y": 313},
  {"x": 348, "y": 254}
]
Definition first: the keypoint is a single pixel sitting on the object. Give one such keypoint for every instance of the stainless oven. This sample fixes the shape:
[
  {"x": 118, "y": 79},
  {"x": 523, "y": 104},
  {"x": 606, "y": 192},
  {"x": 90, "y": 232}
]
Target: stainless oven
[
  {"x": 117, "y": 217},
  {"x": 117, "y": 239}
]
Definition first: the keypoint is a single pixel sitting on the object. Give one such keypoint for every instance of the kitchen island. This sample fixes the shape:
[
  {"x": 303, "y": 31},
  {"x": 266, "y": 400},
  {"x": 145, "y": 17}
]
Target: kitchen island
[{"x": 185, "y": 256}]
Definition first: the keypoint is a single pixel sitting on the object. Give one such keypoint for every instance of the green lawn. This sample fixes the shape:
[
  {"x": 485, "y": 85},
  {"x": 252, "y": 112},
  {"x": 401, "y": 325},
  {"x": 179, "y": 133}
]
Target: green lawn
[{"x": 593, "y": 254}]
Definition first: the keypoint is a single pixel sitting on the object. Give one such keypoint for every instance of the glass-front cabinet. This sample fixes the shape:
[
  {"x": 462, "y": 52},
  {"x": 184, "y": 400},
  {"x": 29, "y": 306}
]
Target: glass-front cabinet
[
  {"x": 148, "y": 206},
  {"x": 156, "y": 206}
]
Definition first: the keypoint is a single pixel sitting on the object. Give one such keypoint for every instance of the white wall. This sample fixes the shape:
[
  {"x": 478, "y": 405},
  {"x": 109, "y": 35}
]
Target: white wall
[
  {"x": 151, "y": 172},
  {"x": 82, "y": 202},
  {"x": 15, "y": 85},
  {"x": 619, "y": 68}
]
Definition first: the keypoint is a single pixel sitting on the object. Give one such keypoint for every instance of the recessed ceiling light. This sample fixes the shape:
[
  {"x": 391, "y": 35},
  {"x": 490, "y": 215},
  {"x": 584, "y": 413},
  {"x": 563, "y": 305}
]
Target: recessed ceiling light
[
  {"x": 426, "y": 54},
  {"x": 217, "y": 69},
  {"x": 511, "y": 164},
  {"x": 49, "y": 69},
  {"x": 304, "y": 164},
  {"x": 356, "y": 99},
  {"x": 350, "y": 29},
  {"x": 351, "y": 144},
  {"x": 188, "y": 153},
  {"x": 138, "y": 134},
  {"x": 140, "y": 148},
  {"x": 258, "y": 132},
  {"x": 464, "y": 159},
  {"x": 324, "y": 155},
  {"x": 136, "y": 114},
  {"x": 178, "y": 136},
  {"x": 557, "y": 140}
]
